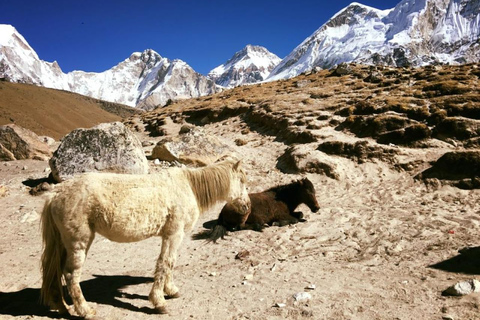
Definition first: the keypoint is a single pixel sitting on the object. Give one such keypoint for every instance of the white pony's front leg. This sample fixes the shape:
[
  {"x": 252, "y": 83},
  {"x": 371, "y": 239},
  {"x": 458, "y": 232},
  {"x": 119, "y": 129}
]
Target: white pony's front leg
[{"x": 163, "y": 280}]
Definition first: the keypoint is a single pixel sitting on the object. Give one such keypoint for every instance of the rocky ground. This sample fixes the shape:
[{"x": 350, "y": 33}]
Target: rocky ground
[{"x": 384, "y": 244}]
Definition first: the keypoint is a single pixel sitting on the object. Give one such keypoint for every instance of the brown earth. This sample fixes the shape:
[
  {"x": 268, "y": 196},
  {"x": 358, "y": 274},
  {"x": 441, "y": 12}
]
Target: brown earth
[
  {"x": 383, "y": 245},
  {"x": 54, "y": 113}
]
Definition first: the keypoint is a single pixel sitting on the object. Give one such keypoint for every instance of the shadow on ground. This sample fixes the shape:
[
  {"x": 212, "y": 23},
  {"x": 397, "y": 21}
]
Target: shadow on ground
[
  {"x": 466, "y": 262},
  {"x": 101, "y": 289}
]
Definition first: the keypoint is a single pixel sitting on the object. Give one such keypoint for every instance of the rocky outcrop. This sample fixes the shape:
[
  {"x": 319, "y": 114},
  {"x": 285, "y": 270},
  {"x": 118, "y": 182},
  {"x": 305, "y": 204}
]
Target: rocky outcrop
[
  {"x": 17, "y": 143},
  {"x": 280, "y": 125},
  {"x": 107, "y": 147},
  {"x": 460, "y": 168},
  {"x": 192, "y": 148},
  {"x": 360, "y": 151}
]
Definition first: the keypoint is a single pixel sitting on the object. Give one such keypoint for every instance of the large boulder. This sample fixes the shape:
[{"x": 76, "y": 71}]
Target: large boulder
[
  {"x": 193, "y": 147},
  {"x": 305, "y": 159},
  {"x": 17, "y": 143},
  {"x": 108, "y": 147}
]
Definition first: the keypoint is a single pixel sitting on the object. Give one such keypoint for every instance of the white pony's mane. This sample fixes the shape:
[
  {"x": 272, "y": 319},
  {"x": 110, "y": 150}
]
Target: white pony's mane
[{"x": 210, "y": 184}]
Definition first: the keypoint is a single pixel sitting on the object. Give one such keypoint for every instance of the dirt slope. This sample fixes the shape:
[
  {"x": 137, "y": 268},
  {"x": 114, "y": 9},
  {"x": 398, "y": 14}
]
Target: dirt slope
[{"x": 52, "y": 112}]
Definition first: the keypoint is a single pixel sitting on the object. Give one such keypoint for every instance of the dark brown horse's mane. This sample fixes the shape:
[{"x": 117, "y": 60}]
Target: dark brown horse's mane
[
  {"x": 285, "y": 187},
  {"x": 289, "y": 193}
]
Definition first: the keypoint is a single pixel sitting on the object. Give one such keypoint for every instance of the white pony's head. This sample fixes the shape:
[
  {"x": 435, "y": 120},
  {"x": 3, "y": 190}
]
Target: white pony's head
[
  {"x": 238, "y": 187},
  {"x": 223, "y": 180}
]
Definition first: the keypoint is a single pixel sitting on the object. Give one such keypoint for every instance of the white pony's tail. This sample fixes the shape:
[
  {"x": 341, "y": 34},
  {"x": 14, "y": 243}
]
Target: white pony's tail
[{"x": 53, "y": 260}]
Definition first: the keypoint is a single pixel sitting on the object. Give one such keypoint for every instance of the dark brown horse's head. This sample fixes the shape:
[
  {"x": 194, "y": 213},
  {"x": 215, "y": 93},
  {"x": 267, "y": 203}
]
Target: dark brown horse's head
[{"x": 308, "y": 195}]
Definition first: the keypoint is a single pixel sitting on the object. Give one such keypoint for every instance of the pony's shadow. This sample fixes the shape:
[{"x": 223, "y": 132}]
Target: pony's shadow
[
  {"x": 101, "y": 290},
  {"x": 466, "y": 262}
]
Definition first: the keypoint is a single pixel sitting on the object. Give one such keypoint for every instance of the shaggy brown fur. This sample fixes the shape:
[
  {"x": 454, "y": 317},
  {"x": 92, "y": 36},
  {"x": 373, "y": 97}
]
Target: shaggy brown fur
[{"x": 275, "y": 205}]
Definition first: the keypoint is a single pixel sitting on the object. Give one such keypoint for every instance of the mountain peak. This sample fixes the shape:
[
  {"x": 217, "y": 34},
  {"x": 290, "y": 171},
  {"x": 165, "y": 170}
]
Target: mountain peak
[
  {"x": 249, "y": 65},
  {"x": 10, "y": 37},
  {"x": 6, "y": 32},
  {"x": 352, "y": 14}
]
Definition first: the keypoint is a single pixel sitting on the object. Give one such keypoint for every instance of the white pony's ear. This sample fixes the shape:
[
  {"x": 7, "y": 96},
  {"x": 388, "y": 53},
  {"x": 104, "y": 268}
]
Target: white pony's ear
[{"x": 236, "y": 166}]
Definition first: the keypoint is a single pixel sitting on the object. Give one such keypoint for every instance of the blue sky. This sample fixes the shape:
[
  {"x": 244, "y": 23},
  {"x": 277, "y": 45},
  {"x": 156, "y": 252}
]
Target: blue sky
[{"x": 95, "y": 35}]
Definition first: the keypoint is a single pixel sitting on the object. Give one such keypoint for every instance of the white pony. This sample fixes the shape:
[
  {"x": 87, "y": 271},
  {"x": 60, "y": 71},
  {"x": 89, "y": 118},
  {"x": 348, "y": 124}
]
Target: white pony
[{"x": 128, "y": 208}]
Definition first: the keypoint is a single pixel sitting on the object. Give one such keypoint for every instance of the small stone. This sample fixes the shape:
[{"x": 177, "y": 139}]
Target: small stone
[
  {"x": 156, "y": 162},
  {"x": 302, "y": 296},
  {"x": 248, "y": 277},
  {"x": 212, "y": 274},
  {"x": 240, "y": 142},
  {"x": 463, "y": 288},
  {"x": 147, "y": 143},
  {"x": 3, "y": 191},
  {"x": 280, "y": 305},
  {"x": 311, "y": 287},
  {"x": 242, "y": 255}
]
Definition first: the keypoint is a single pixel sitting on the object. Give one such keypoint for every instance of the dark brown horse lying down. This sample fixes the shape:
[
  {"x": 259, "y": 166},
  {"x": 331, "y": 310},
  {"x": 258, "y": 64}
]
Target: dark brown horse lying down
[{"x": 273, "y": 206}]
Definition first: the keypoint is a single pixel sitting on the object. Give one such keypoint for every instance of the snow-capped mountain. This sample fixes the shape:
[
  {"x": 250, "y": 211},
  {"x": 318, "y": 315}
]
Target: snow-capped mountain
[
  {"x": 20, "y": 63},
  {"x": 143, "y": 80},
  {"x": 415, "y": 32},
  {"x": 250, "y": 65}
]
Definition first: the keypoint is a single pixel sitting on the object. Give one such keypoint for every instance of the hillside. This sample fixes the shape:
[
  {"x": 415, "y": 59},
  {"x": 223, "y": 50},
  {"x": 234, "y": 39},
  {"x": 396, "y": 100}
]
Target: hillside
[
  {"x": 414, "y": 107},
  {"x": 388, "y": 238},
  {"x": 52, "y": 112}
]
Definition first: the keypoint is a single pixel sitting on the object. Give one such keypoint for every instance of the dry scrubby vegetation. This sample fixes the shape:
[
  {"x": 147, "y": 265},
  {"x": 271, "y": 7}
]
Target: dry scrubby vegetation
[
  {"x": 391, "y": 105},
  {"x": 374, "y": 108}
]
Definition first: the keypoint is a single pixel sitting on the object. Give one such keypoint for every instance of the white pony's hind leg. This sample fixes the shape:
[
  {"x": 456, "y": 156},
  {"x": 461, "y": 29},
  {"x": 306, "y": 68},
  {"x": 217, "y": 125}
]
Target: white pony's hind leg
[
  {"x": 170, "y": 289},
  {"x": 163, "y": 279},
  {"x": 76, "y": 254}
]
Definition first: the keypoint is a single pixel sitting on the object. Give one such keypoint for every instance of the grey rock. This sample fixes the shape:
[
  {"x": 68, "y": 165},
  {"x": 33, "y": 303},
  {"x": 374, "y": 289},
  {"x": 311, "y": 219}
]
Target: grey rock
[
  {"x": 17, "y": 143},
  {"x": 108, "y": 147},
  {"x": 341, "y": 69},
  {"x": 302, "y": 159},
  {"x": 193, "y": 148}
]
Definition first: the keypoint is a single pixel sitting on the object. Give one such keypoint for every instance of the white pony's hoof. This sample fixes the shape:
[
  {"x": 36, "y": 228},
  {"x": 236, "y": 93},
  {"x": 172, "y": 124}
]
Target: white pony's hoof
[
  {"x": 161, "y": 310},
  {"x": 87, "y": 313},
  {"x": 173, "y": 296}
]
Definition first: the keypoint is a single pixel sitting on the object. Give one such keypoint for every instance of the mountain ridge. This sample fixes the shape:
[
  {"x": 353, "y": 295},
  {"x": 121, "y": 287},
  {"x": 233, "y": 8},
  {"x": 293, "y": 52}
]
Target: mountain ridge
[
  {"x": 135, "y": 81},
  {"x": 413, "y": 33}
]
